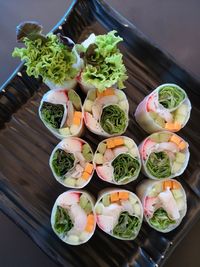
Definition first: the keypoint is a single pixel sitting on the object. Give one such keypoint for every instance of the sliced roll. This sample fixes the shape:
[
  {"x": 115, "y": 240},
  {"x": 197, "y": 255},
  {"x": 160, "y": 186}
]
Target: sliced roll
[
  {"x": 71, "y": 162},
  {"x": 117, "y": 160},
  {"x": 166, "y": 108},
  {"x": 164, "y": 155},
  {"x": 72, "y": 217},
  {"x": 106, "y": 113},
  {"x": 119, "y": 213},
  {"x": 61, "y": 112},
  {"x": 164, "y": 203}
]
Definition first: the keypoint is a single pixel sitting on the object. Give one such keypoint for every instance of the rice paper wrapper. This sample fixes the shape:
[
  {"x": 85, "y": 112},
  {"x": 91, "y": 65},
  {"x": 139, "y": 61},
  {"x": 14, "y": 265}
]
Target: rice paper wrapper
[
  {"x": 67, "y": 127},
  {"x": 83, "y": 169},
  {"x": 153, "y": 123},
  {"x": 107, "y": 225},
  {"x": 120, "y": 149},
  {"x": 144, "y": 189},
  {"x": 178, "y": 158},
  {"x": 93, "y": 109},
  {"x": 67, "y": 200}
]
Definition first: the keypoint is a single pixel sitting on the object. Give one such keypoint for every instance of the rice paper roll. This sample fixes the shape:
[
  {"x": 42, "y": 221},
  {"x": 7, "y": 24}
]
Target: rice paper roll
[
  {"x": 61, "y": 112},
  {"x": 119, "y": 213},
  {"x": 72, "y": 217},
  {"x": 164, "y": 203},
  {"x": 106, "y": 113},
  {"x": 52, "y": 57},
  {"x": 103, "y": 62},
  {"x": 117, "y": 160},
  {"x": 71, "y": 162},
  {"x": 166, "y": 108},
  {"x": 164, "y": 155}
]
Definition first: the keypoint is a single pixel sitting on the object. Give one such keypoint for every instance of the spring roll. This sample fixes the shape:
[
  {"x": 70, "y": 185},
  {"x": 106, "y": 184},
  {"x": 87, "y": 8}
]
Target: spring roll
[
  {"x": 166, "y": 108},
  {"x": 61, "y": 112},
  {"x": 119, "y": 213},
  {"x": 72, "y": 217},
  {"x": 164, "y": 203},
  {"x": 117, "y": 160},
  {"x": 71, "y": 162},
  {"x": 52, "y": 57},
  {"x": 106, "y": 113},
  {"x": 164, "y": 155},
  {"x": 103, "y": 60}
]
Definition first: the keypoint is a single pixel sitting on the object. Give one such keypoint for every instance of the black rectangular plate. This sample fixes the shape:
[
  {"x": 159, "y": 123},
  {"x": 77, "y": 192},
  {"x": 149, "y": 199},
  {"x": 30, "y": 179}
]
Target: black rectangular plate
[{"x": 27, "y": 187}]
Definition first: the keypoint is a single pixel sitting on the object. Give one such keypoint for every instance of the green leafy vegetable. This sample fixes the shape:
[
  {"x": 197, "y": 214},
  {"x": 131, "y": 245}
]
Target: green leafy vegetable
[
  {"x": 125, "y": 166},
  {"x": 160, "y": 219},
  {"x": 170, "y": 96},
  {"x": 62, "y": 162},
  {"x": 52, "y": 114},
  {"x": 75, "y": 99},
  {"x": 87, "y": 152},
  {"x": 127, "y": 226},
  {"x": 51, "y": 60},
  {"x": 113, "y": 119},
  {"x": 63, "y": 222},
  {"x": 104, "y": 63},
  {"x": 158, "y": 164},
  {"x": 30, "y": 29}
]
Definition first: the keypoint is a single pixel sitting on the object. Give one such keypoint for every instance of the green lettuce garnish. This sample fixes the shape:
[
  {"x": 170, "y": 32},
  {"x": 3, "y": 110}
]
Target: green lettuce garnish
[
  {"x": 63, "y": 222},
  {"x": 161, "y": 220},
  {"x": 158, "y": 164},
  {"x": 125, "y": 167},
  {"x": 62, "y": 162},
  {"x": 127, "y": 226},
  {"x": 52, "y": 114},
  {"x": 104, "y": 65},
  {"x": 51, "y": 59},
  {"x": 171, "y": 96},
  {"x": 113, "y": 119}
]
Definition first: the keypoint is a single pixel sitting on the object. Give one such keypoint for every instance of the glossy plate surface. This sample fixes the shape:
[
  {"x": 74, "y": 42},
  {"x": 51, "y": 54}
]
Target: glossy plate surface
[{"x": 27, "y": 187}]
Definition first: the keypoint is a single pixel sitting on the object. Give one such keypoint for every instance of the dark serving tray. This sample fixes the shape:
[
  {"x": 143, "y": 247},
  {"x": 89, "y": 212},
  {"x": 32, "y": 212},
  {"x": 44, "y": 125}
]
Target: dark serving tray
[{"x": 27, "y": 187}]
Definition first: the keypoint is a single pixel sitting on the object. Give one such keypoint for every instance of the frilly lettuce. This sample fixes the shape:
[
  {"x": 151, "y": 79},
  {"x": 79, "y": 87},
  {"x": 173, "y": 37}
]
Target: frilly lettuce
[
  {"x": 51, "y": 60},
  {"x": 104, "y": 65}
]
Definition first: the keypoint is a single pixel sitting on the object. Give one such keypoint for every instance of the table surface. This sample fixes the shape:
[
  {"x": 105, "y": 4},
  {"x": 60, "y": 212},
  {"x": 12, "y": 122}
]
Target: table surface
[{"x": 172, "y": 24}]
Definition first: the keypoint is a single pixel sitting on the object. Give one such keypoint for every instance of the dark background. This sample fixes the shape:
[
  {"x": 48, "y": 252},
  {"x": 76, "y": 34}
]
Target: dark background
[{"x": 172, "y": 24}]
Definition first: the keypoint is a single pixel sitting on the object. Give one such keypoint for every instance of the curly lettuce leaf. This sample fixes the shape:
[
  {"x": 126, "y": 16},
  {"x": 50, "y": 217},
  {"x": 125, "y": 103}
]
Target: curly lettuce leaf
[
  {"x": 161, "y": 220},
  {"x": 113, "y": 119},
  {"x": 158, "y": 164},
  {"x": 171, "y": 96},
  {"x": 52, "y": 114},
  {"x": 63, "y": 222},
  {"x": 104, "y": 63},
  {"x": 62, "y": 162},
  {"x": 125, "y": 167},
  {"x": 51, "y": 60},
  {"x": 127, "y": 226}
]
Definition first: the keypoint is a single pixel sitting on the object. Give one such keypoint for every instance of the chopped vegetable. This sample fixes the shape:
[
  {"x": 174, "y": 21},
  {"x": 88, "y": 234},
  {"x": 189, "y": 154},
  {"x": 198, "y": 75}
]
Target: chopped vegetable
[
  {"x": 90, "y": 223},
  {"x": 127, "y": 226},
  {"x": 125, "y": 166},
  {"x": 113, "y": 119},
  {"x": 102, "y": 148},
  {"x": 63, "y": 222},
  {"x": 110, "y": 143},
  {"x": 75, "y": 99},
  {"x": 161, "y": 220},
  {"x": 118, "y": 141},
  {"x": 52, "y": 114},
  {"x": 171, "y": 96},
  {"x": 158, "y": 164},
  {"x": 89, "y": 168},
  {"x": 87, "y": 152},
  {"x": 85, "y": 175},
  {"x": 123, "y": 195},
  {"x": 62, "y": 162},
  {"x": 114, "y": 196}
]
